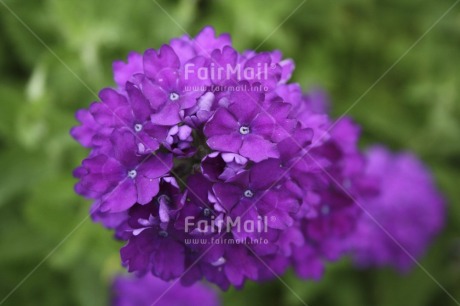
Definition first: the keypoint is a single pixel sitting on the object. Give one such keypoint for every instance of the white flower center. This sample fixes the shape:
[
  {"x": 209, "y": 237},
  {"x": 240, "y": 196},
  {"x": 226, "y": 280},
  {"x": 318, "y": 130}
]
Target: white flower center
[
  {"x": 132, "y": 174},
  {"x": 163, "y": 234},
  {"x": 138, "y": 127},
  {"x": 244, "y": 130},
  {"x": 174, "y": 96},
  {"x": 219, "y": 262},
  {"x": 248, "y": 193},
  {"x": 206, "y": 212},
  {"x": 325, "y": 210}
]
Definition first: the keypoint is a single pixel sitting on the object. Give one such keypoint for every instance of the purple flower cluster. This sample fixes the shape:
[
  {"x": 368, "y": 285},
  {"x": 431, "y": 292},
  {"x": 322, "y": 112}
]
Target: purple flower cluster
[
  {"x": 403, "y": 219},
  {"x": 211, "y": 165},
  {"x": 149, "y": 290}
]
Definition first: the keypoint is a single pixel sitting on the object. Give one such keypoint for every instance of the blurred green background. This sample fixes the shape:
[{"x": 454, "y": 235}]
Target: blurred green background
[{"x": 55, "y": 54}]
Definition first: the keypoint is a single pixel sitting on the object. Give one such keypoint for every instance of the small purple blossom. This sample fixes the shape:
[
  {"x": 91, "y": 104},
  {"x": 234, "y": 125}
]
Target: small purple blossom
[
  {"x": 147, "y": 290},
  {"x": 167, "y": 87},
  {"x": 124, "y": 178},
  {"x": 123, "y": 72},
  {"x": 246, "y": 127}
]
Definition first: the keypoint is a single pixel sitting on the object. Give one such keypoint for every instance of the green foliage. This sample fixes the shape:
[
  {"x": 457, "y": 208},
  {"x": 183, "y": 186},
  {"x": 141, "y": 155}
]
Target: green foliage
[{"x": 344, "y": 46}]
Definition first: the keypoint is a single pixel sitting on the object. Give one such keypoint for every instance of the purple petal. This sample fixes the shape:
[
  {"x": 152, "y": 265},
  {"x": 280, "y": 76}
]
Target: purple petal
[
  {"x": 245, "y": 102},
  {"x": 169, "y": 115},
  {"x": 125, "y": 147},
  {"x": 155, "y": 62},
  {"x": 225, "y": 143},
  {"x": 227, "y": 194},
  {"x": 121, "y": 198},
  {"x": 147, "y": 189},
  {"x": 257, "y": 149},
  {"x": 156, "y": 166},
  {"x": 264, "y": 174},
  {"x": 124, "y": 71},
  {"x": 169, "y": 260},
  {"x": 206, "y": 41},
  {"x": 263, "y": 124},
  {"x": 113, "y": 110},
  {"x": 140, "y": 105},
  {"x": 221, "y": 123}
]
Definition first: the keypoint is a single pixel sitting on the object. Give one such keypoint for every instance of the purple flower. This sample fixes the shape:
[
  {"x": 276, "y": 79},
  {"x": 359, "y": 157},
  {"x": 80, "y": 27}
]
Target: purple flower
[
  {"x": 124, "y": 179},
  {"x": 154, "y": 246},
  {"x": 403, "y": 219},
  {"x": 168, "y": 87},
  {"x": 210, "y": 165},
  {"x": 148, "y": 135},
  {"x": 202, "y": 45},
  {"x": 89, "y": 128},
  {"x": 179, "y": 141},
  {"x": 222, "y": 166},
  {"x": 147, "y": 290},
  {"x": 114, "y": 112},
  {"x": 287, "y": 65},
  {"x": 197, "y": 204},
  {"x": 264, "y": 68},
  {"x": 245, "y": 127},
  {"x": 235, "y": 266},
  {"x": 257, "y": 193},
  {"x": 123, "y": 72},
  {"x": 101, "y": 120}
]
